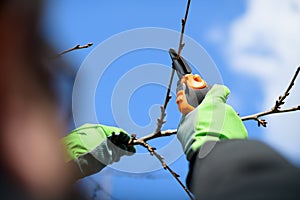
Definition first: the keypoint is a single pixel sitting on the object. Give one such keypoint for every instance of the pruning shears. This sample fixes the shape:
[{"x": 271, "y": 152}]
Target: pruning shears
[{"x": 183, "y": 69}]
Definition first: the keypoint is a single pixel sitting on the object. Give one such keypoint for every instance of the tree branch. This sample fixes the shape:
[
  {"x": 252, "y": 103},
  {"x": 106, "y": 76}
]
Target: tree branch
[
  {"x": 277, "y": 107},
  {"x": 160, "y": 120},
  {"x": 263, "y": 122},
  {"x": 74, "y": 48},
  {"x": 281, "y": 99},
  {"x": 183, "y": 22},
  {"x": 157, "y": 134},
  {"x": 142, "y": 142}
]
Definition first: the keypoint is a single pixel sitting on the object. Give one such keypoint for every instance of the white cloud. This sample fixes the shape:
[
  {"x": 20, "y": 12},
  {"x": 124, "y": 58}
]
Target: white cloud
[{"x": 265, "y": 42}]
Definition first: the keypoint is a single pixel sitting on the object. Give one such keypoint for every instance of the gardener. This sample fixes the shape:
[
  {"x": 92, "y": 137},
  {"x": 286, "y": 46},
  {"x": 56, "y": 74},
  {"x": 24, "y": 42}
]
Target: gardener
[{"x": 223, "y": 163}]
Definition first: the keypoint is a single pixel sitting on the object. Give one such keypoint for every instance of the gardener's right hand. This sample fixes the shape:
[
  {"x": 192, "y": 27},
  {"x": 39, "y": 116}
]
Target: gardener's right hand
[
  {"x": 206, "y": 117},
  {"x": 188, "y": 98}
]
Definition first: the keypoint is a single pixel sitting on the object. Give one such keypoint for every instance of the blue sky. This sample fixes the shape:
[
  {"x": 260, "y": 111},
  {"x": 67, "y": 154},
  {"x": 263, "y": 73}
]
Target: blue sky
[{"x": 250, "y": 49}]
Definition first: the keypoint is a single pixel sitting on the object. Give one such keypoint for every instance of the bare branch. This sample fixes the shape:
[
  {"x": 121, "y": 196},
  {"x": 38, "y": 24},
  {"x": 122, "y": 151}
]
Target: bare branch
[
  {"x": 160, "y": 120},
  {"x": 74, "y": 48},
  {"x": 249, "y": 117},
  {"x": 151, "y": 136},
  {"x": 256, "y": 117},
  {"x": 277, "y": 107},
  {"x": 135, "y": 141},
  {"x": 183, "y": 22},
  {"x": 262, "y": 121},
  {"x": 281, "y": 99}
]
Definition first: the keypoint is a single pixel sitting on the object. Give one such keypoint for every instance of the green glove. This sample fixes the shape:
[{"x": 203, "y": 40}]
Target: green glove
[
  {"x": 212, "y": 120},
  {"x": 93, "y": 146}
]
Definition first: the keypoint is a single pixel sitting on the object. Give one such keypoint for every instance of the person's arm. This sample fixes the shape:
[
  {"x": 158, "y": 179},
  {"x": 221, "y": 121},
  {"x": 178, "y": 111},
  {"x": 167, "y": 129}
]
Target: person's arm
[{"x": 93, "y": 146}]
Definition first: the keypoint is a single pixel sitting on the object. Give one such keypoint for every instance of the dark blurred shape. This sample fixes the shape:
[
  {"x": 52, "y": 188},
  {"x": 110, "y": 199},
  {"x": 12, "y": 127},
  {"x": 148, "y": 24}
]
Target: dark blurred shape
[
  {"x": 243, "y": 170},
  {"x": 31, "y": 155}
]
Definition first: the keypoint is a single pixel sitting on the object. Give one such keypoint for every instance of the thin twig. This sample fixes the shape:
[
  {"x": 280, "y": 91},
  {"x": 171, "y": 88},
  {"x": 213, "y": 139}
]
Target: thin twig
[
  {"x": 74, "y": 48},
  {"x": 174, "y": 174},
  {"x": 281, "y": 99},
  {"x": 183, "y": 22},
  {"x": 263, "y": 122},
  {"x": 256, "y": 117},
  {"x": 140, "y": 141},
  {"x": 277, "y": 107},
  {"x": 161, "y": 119},
  {"x": 135, "y": 141},
  {"x": 160, "y": 134}
]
